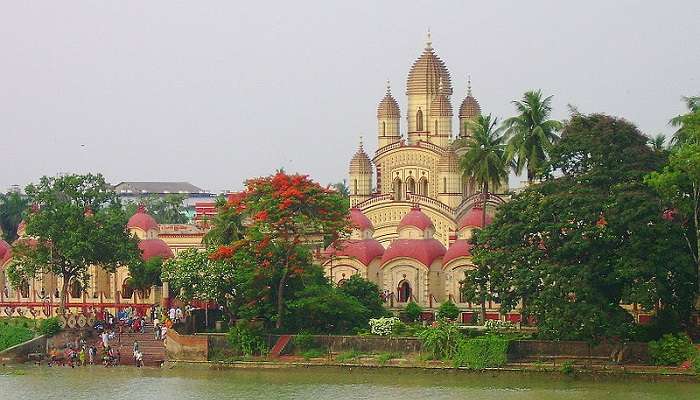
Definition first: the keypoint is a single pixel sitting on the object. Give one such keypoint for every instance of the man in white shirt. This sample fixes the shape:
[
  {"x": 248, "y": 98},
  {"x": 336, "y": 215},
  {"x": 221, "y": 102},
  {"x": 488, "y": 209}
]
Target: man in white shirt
[{"x": 171, "y": 314}]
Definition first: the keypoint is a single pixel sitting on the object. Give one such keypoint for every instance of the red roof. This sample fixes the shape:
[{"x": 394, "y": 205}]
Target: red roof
[
  {"x": 423, "y": 250},
  {"x": 359, "y": 220},
  {"x": 142, "y": 220},
  {"x": 416, "y": 218},
  {"x": 473, "y": 218},
  {"x": 154, "y": 248},
  {"x": 363, "y": 251},
  {"x": 5, "y": 251},
  {"x": 460, "y": 248}
]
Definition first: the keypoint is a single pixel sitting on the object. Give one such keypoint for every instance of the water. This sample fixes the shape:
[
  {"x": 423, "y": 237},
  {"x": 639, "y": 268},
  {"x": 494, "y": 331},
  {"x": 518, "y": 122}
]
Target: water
[{"x": 98, "y": 383}]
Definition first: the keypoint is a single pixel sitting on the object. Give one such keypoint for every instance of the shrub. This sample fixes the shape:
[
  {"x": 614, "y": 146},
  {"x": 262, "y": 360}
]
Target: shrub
[
  {"x": 49, "y": 326},
  {"x": 382, "y": 326},
  {"x": 567, "y": 368},
  {"x": 348, "y": 355},
  {"x": 247, "y": 338},
  {"x": 496, "y": 325},
  {"x": 483, "y": 352},
  {"x": 448, "y": 310},
  {"x": 303, "y": 341},
  {"x": 383, "y": 358},
  {"x": 413, "y": 311},
  {"x": 11, "y": 335},
  {"x": 313, "y": 353},
  {"x": 672, "y": 349},
  {"x": 441, "y": 340}
]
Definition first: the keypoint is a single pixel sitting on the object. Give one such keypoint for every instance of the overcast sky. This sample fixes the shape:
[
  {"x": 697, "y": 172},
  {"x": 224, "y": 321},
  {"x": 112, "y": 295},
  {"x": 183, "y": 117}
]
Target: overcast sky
[{"x": 215, "y": 92}]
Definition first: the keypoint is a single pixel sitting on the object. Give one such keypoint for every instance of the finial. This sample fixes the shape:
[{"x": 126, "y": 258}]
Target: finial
[
  {"x": 388, "y": 87},
  {"x": 429, "y": 41},
  {"x": 469, "y": 85},
  {"x": 361, "y": 143}
]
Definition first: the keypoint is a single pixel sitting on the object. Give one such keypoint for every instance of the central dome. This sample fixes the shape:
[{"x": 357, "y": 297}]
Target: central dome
[{"x": 426, "y": 73}]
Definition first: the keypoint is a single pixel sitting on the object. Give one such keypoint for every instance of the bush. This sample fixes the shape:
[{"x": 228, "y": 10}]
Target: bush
[
  {"x": 441, "y": 340},
  {"x": 303, "y": 341},
  {"x": 247, "y": 338},
  {"x": 567, "y": 368},
  {"x": 13, "y": 334},
  {"x": 348, "y": 355},
  {"x": 383, "y": 358},
  {"x": 49, "y": 326},
  {"x": 672, "y": 349},
  {"x": 483, "y": 352},
  {"x": 448, "y": 310},
  {"x": 313, "y": 353},
  {"x": 413, "y": 311},
  {"x": 382, "y": 326}
]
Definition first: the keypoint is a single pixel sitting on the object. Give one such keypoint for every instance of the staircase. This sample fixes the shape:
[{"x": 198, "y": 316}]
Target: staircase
[
  {"x": 279, "y": 346},
  {"x": 153, "y": 350}
]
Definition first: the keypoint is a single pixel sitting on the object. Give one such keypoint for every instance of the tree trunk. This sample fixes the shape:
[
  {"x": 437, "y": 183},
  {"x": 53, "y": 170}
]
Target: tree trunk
[
  {"x": 483, "y": 225},
  {"x": 64, "y": 295},
  {"x": 280, "y": 299}
]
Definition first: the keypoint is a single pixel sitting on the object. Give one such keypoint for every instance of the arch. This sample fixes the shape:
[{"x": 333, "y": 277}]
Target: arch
[
  {"x": 423, "y": 186},
  {"x": 419, "y": 120},
  {"x": 75, "y": 289},
  {"x": 127, "y": 290},
  {"x": 410, "y": 185},
  {"x": 398, "y": 189},
  {"x": 403, "y": 292},
  {"x": 24, "y": 288}
]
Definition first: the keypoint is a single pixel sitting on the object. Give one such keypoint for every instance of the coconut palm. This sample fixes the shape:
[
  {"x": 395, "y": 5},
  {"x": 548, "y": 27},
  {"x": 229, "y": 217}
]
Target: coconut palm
[
  {"x": 484, "y": 162},
  {"x": 685, "y": 122},
  {"x": 658, "y": 142},
  {"x": 531, "y": 133},
  {"x": 12, "y": 208}
]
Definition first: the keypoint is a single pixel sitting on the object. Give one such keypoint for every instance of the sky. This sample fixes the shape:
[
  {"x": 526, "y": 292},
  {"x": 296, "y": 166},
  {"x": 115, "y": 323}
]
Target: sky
[{"x": 219, "y": 91}]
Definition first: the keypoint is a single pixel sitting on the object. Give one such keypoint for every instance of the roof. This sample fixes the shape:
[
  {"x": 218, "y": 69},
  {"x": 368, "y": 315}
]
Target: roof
[
  {"x": 142, "y": 220},
  {"x": 460, "y": 248},
  {"x": 154, "y": 248},
  {"x": 363, "y": 251},
  {"x": 426, "y": 73},
  {"x": 359, "y": 220},
  {"x": 424, "y": 250},
  {"x": 473, "y": 218},
  {"x": 416, "y": 218},
  {"x": 470, "y": 108},
  {"x": 388, "y": 107},
  {"x": 5, "y": 252},
  {"x": 360, "y": 162},
  {"x": 158, "y": 187}
]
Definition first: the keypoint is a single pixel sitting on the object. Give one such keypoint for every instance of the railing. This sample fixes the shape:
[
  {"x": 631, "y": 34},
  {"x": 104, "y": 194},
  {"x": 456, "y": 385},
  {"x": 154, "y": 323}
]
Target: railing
[
  {"x": 421, "y": 199},
  {"x": 374, "y": 200},
  {"x": 402, "y": 143}
]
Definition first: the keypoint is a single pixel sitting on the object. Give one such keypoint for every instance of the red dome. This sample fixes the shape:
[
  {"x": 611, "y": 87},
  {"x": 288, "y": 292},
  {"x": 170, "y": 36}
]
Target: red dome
[
  {"x": 359, "y": 220},
  {"x": 154, "y": 248},
  {"x": 473, "y": 218},
  {"x": 142, "y": 220},
  {"x": 460, "y": 248},
  {"x": 416, "y": 218},
  {"x": 363, "y": 250},
  {"x": 423, "y": 250},
  {"x": 5, "y": 252}
]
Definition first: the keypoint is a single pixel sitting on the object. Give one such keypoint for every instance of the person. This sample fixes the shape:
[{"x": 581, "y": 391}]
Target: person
[
  {"x": 81, "y": 357},
  {"x": 143, "y": 325},
  {"x": 136, "y": 325},
  {"x": 136, "y": 347},
  {"x": 178, "y": 315},
  {"x": 105, "y": 339},
  {"x": 92, "y": 351},
  {"x": 138, "y": 356},
  {"x": 172, "y": 313},
  {"x": 163, "y": 331}
]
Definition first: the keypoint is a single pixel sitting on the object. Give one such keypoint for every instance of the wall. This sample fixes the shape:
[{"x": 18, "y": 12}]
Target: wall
[
  {"x": 18, "y": 353},
  {"x": 186, "y": 347},
  {"x": 633, "y": 353}
]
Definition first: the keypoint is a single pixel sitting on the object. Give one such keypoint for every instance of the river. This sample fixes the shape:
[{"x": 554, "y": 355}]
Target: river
[{"x": 98, "y": 383}]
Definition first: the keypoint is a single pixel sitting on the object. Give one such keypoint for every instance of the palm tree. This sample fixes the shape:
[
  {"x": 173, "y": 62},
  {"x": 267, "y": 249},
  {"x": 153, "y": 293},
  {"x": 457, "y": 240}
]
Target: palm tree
[
  {"x": 658, "y": 142},
  {"x": 530, "y": 133},
  {"x": 12, "y": 208},
  {"x": 682, "y": 122},
  {"x": 227, "y": 226},
  {"x": 484, "y": 162}
]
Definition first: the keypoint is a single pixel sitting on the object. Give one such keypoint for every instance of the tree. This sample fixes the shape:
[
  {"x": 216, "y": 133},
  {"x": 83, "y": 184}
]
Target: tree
[
  {"x": 686, "y": 123},
  {"x": 658, "y": 142},
  {"x": 284, "y": 215},
  {"x": 531, "y": 134},
  {"x": 166, "y": 209},
  {"x": 321, "y": 308},
  {"x": 78, "y": 222},
  {"x": 448, "y": 310},
  {"x": 484, "y": 163},
  {"x": 367, "y": 293},
  {"x": 227, "y": 225},
  {"x": 342, "y": 188},
  {"x": 413, "y": 311},
  {"x": 12, "y": 208},
  {"x": 145, "y": 274},
  {"x": 575, "y": 247}
]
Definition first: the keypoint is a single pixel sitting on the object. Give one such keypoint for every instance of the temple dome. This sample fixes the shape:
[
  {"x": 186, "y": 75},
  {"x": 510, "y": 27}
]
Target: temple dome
[
  {"x": 360, "y": 162},
  {"x": 388, "y": 107},
  {"x": 416, "y": 218},
  {"x": 473, "y": 219},
  {"x": 359, "y": 220},
  {"x": 460, "y": 248},
  {"x": 424, "y": 250},
  {"x": 364, "y": 251},
  {"x": 470, "y": 108},
  {"x": 5, "y": 252},
  {"x": 142, "y": 221},
  {"x": 427, "y": 72},
  {"x": 154, "y": 248}
]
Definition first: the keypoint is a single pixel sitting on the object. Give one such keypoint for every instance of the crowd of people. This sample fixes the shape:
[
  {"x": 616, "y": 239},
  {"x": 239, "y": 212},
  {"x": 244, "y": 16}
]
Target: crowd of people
[{"x": 109, "y": 328}]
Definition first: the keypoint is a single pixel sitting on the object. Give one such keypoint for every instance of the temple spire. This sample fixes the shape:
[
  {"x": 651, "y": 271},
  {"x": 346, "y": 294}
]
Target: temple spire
[
  {"x": 469, "y": 85},
  {"x": 388, "y": 87},
  {"x": 429, "y": 41}
]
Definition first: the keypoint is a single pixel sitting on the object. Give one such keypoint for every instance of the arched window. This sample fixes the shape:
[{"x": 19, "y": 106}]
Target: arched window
[
  {"x": 383, "y": 128},
  {"x": 354, "y": 187},
  {"x": 444, "y": 185},
  {"x": 419, "y": 120},
  {"x": 410, "y": 185},
  {"x": 24, "y": 288},
  {"x": 76, "y": 289},
  {"x": 398, "y": 188},
  {"x": 127, "y": 290},
  {"x": 403, "y": 292},
  {"x": 423, "y": 186}
]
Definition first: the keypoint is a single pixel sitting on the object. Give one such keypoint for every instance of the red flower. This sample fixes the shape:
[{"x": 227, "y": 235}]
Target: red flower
[
  {"x": 223, "y": 252},
  {"x": 261, "y": 216}
]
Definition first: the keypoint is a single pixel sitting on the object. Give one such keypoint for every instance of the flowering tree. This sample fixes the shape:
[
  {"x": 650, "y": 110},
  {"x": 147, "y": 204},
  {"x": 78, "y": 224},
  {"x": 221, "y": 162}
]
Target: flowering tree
[{"x": 283, "y": 217}]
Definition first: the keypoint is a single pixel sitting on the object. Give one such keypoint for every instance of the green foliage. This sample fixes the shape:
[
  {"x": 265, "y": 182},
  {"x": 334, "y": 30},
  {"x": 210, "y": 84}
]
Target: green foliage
[
  {"x": 385, "y": 357},
  {"x": 567, "y": 368},
  {"x": 168, "y": 209},
  {"x": 574, "y": 247},
  {"x": 484, "y": 160},
  {"x": 313, "y": 353},
  {"x": 488, "y": 351},
  {"x": 303, "y": 341},
  {"x": 448, "y": 310},
  {"x": 672, "y": 350},
  {"x": 78, "y": 222},
  {"x": 49, "y": 326},
  {"x": 247, "y": 338},
  {"x": 441, "y": 340},
  {"x": 367, "y": 293},
  {"x": 227, "y": 225},
  {"x": 412, "y": 311},
  {"x": 13, "y": 333},
  {"x": 13, "y": 206},
  {"x": 144, "y": 274},
  {"x": 348, "y": 355}
]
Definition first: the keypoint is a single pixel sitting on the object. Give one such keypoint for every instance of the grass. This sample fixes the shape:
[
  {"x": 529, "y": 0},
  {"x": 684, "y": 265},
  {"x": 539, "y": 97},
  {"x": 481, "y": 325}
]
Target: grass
[
  {"x": 348, "y": 355},
  {"x": 313, "y": 353},
  {"x": 383, "y": 358}
]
